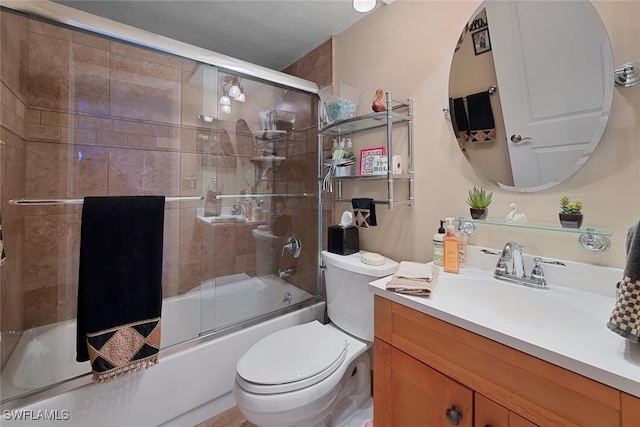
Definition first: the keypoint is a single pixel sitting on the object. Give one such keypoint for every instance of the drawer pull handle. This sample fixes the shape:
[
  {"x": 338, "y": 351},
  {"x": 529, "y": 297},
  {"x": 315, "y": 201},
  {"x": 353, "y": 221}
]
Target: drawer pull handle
[{"x": 454, "y": 415}]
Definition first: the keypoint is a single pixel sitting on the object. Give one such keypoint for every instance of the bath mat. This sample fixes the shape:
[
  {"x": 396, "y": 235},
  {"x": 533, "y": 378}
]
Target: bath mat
[{"x": 120, "y": 284}]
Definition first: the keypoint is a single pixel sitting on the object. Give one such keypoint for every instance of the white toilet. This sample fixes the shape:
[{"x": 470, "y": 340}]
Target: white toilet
[{"x": 313, "y": 374}]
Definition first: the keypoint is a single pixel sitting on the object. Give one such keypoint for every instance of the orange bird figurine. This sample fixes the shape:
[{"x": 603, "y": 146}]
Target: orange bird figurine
[{"x": 378, "y": 106}]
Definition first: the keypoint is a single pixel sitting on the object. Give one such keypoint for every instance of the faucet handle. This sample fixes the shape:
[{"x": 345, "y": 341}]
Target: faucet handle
[{"x": 536, "y": 271}]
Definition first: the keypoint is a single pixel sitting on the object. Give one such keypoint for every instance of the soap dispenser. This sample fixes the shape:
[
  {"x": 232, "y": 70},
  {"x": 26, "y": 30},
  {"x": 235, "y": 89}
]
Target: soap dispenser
[
  {"x": 451, "y": 249},
  {"x": 438, "y": 249}
]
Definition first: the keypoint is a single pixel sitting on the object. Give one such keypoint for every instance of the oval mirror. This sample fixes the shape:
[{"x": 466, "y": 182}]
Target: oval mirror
[{"x": 530, "y": 89}]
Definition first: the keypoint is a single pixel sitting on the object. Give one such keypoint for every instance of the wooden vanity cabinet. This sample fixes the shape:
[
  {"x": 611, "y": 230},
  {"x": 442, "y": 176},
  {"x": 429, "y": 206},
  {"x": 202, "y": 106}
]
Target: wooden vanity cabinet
[{"x": 424, "y": 368}]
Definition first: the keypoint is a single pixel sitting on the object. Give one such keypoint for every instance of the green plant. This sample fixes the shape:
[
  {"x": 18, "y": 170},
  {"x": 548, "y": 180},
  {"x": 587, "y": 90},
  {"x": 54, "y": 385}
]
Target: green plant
[
  {"x": 478, "y": 198},
  {"x": 569, "y": 206}
]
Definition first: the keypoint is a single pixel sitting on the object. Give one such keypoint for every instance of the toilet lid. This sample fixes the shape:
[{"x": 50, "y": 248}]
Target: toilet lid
[{"x": 293, "y": 355}]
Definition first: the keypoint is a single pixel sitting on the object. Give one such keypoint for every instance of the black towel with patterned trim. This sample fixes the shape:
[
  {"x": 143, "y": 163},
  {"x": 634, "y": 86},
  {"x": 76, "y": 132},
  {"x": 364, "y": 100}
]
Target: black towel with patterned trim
[
  {"x": 120, "y": 284},
  {"x": 625, "y": 318},
  {"x": 481, "y": 123}
]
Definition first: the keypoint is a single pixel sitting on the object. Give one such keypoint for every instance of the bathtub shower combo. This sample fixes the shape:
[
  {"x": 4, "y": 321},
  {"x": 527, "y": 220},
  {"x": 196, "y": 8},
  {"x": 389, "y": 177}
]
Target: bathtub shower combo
[{"x": 242, "y": 218}]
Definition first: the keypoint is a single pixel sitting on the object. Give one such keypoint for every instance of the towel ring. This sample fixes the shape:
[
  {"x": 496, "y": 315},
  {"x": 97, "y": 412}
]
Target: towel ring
[{"x": 627, "y": 75}]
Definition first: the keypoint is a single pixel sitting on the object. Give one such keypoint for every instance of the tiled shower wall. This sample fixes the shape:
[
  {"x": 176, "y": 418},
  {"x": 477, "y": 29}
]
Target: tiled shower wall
[{"x": 84, "y": 115}]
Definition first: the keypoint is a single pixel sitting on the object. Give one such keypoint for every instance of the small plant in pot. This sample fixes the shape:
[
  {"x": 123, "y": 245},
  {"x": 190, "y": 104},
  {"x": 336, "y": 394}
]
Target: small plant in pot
[
  {"x": 479, "y": 200},
  {"x": 570, "y": 212}
]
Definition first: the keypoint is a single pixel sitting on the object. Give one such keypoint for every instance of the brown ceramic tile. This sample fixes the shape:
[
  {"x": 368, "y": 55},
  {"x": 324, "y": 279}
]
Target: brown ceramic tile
[
  {"x": 77, "y": 136},
  {"x": 126, "y": 126},
  {"x": 145, "y": 54},
  {"x": 133, "y": 171},
  {"x": 191, "y": 174},
  {"x": 60, "y": 171},
  {"x": 144, "y": 101},
  {"x": 49, "y": 30},
  {"x": 171, "y": 239},
  {"x": 13, "y": 37},
  {"x": 48, "y": 72},
  {"x": 51, "y": 133},
  {"x": 89, "y": 60},
  {"x": 94, "y": 123},
  {"x": 143, "y": 141},
  {"x": 33, "y": 116},
  {"x": 225, "y": 237},
  {"x": 90, "y": 93},
  {"x": 112, "y": 139},
  {"x": 40, "y": 307},
  {"x": 55, "y": 118},
  {"x": 92, "y": 40},
  {"x": 155, "y": 129}
]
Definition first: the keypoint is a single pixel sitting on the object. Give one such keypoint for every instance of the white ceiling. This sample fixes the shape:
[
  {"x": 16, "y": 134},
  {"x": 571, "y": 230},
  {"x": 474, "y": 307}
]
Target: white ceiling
[{"x": 271, "y": 33}]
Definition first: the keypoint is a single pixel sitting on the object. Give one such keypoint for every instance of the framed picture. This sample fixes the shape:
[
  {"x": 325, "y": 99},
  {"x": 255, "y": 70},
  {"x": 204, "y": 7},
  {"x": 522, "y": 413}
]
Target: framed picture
[
  {"x": 481, "y": 42},
  {"x": 367, "y": 156}
]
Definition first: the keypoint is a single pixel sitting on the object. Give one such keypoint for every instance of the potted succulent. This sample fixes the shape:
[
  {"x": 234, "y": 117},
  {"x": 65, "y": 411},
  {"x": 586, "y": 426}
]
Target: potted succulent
[
  {"x": 570, "y": 212},
  {"x": 479, "y": 200}
]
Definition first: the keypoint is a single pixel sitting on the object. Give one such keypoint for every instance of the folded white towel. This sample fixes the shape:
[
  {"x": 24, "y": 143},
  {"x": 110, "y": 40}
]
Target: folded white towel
[
  {"x": 414, "y": 279},
  {"x": 414, "y": 270}
]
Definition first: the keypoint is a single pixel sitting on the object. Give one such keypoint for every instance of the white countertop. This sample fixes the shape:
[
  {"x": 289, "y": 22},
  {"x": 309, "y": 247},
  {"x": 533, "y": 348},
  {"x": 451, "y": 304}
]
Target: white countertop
[{"x": 561, "y": 325}]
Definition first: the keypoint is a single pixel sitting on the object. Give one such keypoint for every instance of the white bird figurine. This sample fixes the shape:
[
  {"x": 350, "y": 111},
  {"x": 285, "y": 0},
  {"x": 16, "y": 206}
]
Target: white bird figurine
[{"x": 515, "y": 216}]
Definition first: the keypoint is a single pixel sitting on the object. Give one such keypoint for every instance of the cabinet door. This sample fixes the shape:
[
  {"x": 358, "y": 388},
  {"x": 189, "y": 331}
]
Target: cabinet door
[
  {"x": 630, "y": 410},
  {"x": 409, "y": 393},
  {"x": 491, "y": 414}
]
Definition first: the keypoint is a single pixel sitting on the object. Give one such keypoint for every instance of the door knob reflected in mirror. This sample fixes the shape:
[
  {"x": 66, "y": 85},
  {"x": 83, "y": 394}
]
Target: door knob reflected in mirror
[{"x": 517, "y": 139}]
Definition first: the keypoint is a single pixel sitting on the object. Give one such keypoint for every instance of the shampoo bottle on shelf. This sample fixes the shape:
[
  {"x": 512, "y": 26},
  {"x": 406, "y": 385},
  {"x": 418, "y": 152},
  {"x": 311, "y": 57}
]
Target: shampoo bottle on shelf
[
  {"x": 451, "y": 249},
  {"x": 438, "y": 248}
]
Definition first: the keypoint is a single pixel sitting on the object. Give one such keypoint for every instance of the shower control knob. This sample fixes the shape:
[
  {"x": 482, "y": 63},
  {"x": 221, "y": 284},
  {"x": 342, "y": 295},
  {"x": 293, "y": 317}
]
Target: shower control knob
[{"x": 516, "y": 139}]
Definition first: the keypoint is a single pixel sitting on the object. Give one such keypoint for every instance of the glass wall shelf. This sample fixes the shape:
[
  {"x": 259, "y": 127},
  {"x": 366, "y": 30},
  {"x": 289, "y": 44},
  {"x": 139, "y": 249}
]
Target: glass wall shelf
[
  {"x": 363, "y": 123},
  {"x": 591, "y": 240}
]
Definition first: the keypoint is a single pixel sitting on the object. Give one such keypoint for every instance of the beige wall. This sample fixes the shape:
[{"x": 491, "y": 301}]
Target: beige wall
[{"x": 407, "y": 47}]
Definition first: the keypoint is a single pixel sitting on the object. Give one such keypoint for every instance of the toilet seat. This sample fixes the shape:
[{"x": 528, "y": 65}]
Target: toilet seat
[{"x": 291, "y": 359}]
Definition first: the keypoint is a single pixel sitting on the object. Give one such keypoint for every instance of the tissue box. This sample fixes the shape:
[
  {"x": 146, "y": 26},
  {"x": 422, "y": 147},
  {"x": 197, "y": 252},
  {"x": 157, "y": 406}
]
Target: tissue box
[{"x": 343, "y": 240}]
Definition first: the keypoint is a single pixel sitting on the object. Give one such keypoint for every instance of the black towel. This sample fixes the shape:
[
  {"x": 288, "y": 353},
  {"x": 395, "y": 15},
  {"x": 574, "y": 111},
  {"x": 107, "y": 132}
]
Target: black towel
[
  {"x": 459, "y": 120},
  {"x": 481, "y": 121},
  {"x": 120, "y": 284},
  {"x": 365, "y": 212},
  {"x": 625, "y": 318}
]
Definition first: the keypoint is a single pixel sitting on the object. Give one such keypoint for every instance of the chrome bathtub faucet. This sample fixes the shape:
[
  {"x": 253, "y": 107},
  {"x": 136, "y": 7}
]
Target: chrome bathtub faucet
[
  {"x": 286, "y": 272},
  {"x": 510, "y": 267}
]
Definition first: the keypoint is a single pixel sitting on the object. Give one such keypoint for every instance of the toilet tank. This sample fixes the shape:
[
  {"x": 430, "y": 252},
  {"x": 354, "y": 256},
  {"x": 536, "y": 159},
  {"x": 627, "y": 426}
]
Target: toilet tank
[{"x": 349, "y": 302}]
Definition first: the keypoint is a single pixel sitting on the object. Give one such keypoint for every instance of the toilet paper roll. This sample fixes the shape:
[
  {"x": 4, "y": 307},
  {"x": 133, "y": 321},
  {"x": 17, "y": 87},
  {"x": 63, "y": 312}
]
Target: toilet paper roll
[{"x": 397, "y": 165}]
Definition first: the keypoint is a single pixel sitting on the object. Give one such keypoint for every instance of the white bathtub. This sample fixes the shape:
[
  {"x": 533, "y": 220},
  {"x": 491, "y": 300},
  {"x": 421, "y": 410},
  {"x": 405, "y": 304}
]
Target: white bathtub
[{"x": 46, "y": 355}]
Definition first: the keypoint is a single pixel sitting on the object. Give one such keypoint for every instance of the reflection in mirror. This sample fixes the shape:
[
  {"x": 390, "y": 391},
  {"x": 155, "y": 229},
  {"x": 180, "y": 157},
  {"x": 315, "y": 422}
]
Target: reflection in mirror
[{"x": 551, "y": 65}]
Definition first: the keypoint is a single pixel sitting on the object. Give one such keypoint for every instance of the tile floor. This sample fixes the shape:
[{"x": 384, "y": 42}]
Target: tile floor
[{"x": 229, "y": 418}]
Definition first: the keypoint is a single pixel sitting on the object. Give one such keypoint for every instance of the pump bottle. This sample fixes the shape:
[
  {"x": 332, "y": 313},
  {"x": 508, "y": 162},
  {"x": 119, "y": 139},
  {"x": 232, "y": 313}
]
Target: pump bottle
[
  {"x": 438, "y": 249},
  {"x": 451, "y": 249}
]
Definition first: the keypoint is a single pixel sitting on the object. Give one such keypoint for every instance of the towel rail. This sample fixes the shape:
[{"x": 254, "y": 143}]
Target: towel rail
[{"x": 45, "y": 202}]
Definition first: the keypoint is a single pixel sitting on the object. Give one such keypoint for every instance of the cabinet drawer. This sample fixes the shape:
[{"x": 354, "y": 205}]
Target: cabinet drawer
[{"x": 536, "y": 390}]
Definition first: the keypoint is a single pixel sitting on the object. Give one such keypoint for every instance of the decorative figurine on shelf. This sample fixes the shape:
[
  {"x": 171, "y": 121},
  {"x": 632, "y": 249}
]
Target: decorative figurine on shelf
[
  {"x": 378, "y": 105},
  {"x": 515, "y": 216}
]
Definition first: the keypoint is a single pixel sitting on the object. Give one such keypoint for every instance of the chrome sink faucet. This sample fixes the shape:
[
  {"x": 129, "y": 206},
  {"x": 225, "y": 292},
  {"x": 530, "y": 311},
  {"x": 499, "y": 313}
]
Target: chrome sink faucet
[{"x": 510, "y": 267}]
